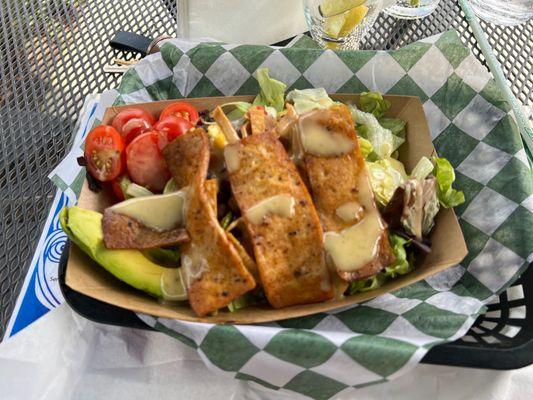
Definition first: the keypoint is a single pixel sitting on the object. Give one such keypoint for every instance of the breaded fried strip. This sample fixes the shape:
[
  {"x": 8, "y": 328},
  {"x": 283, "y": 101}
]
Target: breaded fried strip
[
  {"x": 211, "y": 190},
  {"x": 211, "y": 187},
  {"x": 183, "y": 159},
  {"x": 341, "y": 187},
  {"x": 257, "y": 120},
  {"x": 124, "y": 232},
  {"x": 288, "y": 250},
  {"x": 214, "y": 273}
]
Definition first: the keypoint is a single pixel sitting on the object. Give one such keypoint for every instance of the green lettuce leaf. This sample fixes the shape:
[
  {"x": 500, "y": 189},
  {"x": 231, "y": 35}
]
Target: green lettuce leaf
[
  {"x": 373, "y": 103},
  {"x": 385, "y": 177},
  {"x": 272, "y": 92},
  {"x": 384, "y": 142},
  {"x": 365, "y": 146},
  {"x": 309, "y": 99},
  {"x": 448, "y": 196},
  {"x": 238, "y": 111},
  {"x": 422, "y": 169},
  {"x": 395, "y": 125},
  {"x": 401, "y": 266},
  {"x": 130, "y": 189},
  {"x": 170, "y": 186},
  {"x": 248, "y": 299},
  {"x": 366, "y": 285},
  {"x": 226, "y": 220}
]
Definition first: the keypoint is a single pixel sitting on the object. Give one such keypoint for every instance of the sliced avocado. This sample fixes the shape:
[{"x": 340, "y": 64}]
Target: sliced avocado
[{"x": 84, "y": 228}]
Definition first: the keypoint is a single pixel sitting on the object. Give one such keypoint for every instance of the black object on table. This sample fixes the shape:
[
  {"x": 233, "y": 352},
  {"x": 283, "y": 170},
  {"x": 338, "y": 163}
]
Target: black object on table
[{"x": 53, "y": 53}]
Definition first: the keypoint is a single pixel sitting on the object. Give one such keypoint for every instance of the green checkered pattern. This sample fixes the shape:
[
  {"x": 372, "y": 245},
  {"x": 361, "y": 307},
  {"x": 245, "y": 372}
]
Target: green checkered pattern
[{"x": 330, "y": 354}]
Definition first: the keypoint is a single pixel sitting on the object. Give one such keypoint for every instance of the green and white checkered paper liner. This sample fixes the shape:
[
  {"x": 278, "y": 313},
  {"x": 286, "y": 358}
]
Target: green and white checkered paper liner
[{"x": 330, "y": 354}]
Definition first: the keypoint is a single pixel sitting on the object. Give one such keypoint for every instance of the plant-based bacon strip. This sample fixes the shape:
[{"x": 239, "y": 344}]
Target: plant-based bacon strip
[
  {"x": 213, "y": 271},
  {"x": 356, "y": 238},
  {"x": 281, "y": 220},
  {"x": 124, "y": 232}
]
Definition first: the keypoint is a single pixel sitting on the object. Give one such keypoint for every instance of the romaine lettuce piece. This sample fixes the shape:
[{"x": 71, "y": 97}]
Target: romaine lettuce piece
[
  {"x": 309, "y": 99},
  {"x": 385, "y": 177},
  {"x": 272, "y": 92},
  {"x": 401, "y": 266},
  {"x": 373, "y": 103},
  {"x": 422, "y": 169},
  {"x": 395, "y": 125},
  {"x": 365, "y": 146},
  {"x": 384, "y": 142},
  {"x": 448, "y": 196}
]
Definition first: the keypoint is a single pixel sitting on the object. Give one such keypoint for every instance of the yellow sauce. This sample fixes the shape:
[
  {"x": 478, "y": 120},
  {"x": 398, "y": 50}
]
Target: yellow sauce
[
  {"x": 356, "y": 246},
  {"x": 160, "y": 212},
  {"x": 351, "y": 211},
  {"x": 318, "y": 141},
  {"x": 231, "y": 155},
  {"x": 281, "y": 204}
]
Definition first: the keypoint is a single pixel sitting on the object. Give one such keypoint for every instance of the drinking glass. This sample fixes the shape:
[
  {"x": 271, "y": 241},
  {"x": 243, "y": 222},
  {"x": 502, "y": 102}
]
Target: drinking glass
[
  {"x": 341, "y": 24},
  {"x": 503, "y": 12},
  {"x": 412, "y": 9}
]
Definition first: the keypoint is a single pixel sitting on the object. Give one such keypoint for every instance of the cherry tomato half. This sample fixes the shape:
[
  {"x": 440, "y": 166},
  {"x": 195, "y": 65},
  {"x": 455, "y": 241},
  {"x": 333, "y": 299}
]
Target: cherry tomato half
[
  {"x": 170, "y": 128},
  {"x": 146, "y": 165},
  {"x": 181, "y": 109},
  {"x": 104, "y": 150},
  {"x": 131, "y": 122}
]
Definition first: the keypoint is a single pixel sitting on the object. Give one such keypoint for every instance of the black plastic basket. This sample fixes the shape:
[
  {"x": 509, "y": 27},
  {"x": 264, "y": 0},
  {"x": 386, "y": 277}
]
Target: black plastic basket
[{"x": 500, "y": 339}]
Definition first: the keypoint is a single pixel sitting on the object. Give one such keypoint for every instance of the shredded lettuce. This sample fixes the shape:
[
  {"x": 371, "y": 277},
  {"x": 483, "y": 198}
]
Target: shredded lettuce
[
  {"x": 170, "y": 186},
  {"x": 401, "y": 266},
  {"x": 366, "y": 285},
  {"x": 384, "y": 142},
  {"x": 422, "y": 169},
  {"x": 226, "y": 220},
  {"x": 240, "y": 302},
  {"x": 385, "y": 177},
  {"x": 130, "y": 189},
  {"x": 395, "y": 125},
  {"x": 309, "y": 99},
  {"x": 247, "y": 300},
  {"x": 373, "y": 103},
  {"x": 272, "y": 92},
  {"x": 239, "y": 109},
  {"x": 448, "y": 196},
  {"x": 365, "y": 146}
]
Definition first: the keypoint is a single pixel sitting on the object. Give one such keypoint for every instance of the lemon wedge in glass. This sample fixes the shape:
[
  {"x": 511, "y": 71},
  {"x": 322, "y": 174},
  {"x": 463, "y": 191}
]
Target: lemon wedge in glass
[
  {"x": 329, "y": 8},
  {"x": 172, "y": 285},
  {"x": 341, "y": 25}
]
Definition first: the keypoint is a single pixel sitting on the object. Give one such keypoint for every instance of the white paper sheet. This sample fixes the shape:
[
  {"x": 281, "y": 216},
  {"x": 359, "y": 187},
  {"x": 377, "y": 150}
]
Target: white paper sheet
[{"x": 65, "y": 357}]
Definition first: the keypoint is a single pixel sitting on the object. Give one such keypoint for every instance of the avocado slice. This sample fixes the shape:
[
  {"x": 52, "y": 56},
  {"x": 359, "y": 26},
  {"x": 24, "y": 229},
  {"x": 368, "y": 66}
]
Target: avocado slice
[{"x": 84, "y": 228}]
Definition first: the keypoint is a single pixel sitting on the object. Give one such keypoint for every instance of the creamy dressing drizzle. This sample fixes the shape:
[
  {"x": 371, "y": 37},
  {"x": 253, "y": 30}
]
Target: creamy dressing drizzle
[
  {"x": 317, "y": 140},
  {"x": 160, "y": 212},
  {"x": 281, "y": 204},
  {"x": 231, "y": 155},
  {"x": 192, "y": 269},
  {"x": 351, "y": 211},
  {"x": 356, "y": 246}
]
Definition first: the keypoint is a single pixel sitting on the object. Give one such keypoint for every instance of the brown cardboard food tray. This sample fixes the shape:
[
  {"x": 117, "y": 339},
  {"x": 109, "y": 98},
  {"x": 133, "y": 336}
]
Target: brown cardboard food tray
[{"x": 448, "y": 249}]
